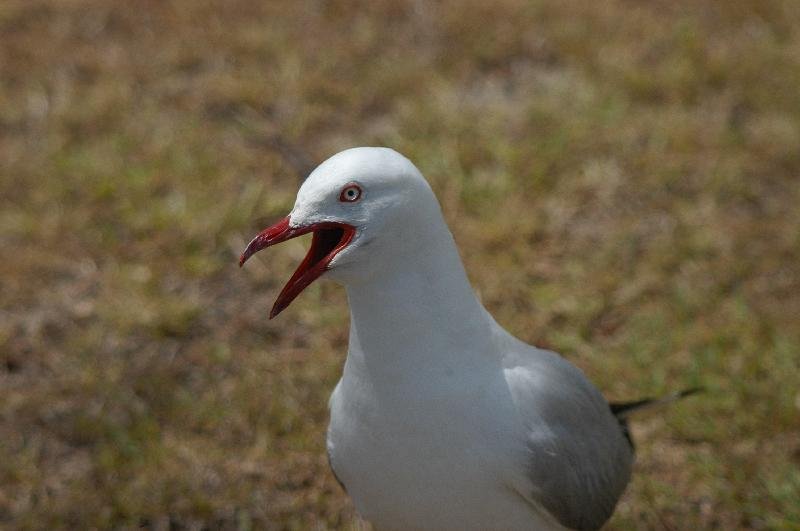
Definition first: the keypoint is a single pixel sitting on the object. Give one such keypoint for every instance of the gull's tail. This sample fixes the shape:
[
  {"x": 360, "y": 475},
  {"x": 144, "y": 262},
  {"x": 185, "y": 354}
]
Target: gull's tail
[{"x": 622, "y": 410}]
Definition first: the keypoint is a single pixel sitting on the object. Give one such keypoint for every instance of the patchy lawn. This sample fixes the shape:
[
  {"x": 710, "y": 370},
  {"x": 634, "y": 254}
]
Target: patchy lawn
[{"x": 623, "y": 179}]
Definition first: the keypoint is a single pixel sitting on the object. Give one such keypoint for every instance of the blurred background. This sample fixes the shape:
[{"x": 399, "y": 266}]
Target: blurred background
[{"x": 622, "y": 177}]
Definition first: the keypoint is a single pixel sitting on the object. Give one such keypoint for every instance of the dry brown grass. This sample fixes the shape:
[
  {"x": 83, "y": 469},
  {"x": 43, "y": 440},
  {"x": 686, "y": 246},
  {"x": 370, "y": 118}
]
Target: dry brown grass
[{"x": 623, "y": 179}]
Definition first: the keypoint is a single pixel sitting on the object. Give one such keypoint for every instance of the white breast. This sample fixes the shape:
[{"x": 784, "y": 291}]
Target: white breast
[{"x": 431, "y": 458}]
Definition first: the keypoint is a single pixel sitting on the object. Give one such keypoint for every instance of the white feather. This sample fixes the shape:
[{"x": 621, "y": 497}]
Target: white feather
[{"x": 442, "y": 420}]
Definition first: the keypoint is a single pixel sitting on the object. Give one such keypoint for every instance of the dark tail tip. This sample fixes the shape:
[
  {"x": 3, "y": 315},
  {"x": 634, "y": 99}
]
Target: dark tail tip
[
  {"x": 691, "y": 391},
  {"x": 623, "y": 409}
]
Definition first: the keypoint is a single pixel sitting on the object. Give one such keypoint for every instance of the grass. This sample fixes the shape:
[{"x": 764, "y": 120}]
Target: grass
[{"x": 622, "y": 179}]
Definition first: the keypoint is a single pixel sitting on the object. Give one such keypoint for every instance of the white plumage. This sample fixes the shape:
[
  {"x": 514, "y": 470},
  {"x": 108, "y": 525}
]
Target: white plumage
[{"x": 442, "y": 420}]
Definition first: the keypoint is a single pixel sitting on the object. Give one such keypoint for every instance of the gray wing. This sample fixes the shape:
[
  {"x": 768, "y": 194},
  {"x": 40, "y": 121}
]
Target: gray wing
[{"x": 579, "y": 460}]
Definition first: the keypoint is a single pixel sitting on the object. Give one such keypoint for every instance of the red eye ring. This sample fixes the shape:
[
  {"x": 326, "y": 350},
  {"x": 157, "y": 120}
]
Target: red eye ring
[{"x": 350, "y": 193}]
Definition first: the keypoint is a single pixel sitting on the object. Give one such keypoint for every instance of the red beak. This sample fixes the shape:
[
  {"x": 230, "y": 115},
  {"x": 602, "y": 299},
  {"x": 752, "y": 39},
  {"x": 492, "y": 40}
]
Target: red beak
[{"x": 329, "y": 238}]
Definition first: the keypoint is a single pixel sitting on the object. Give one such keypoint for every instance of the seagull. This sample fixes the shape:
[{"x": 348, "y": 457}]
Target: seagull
[{"x": 443, "y": 420}]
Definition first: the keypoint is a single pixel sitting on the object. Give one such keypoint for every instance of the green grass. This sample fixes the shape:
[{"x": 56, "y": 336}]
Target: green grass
[{"x": 622, "y": 178}]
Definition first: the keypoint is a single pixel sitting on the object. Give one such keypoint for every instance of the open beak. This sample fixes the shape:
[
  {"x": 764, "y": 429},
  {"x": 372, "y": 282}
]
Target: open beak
[{"x": 329, "y": 238}]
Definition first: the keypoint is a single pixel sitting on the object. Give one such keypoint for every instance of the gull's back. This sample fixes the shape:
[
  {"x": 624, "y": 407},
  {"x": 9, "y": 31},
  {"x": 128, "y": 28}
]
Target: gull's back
[{"x": 579, "y": 459}]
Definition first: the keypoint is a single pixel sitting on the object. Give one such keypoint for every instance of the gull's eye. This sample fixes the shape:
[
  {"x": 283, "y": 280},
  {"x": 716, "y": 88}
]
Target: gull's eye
[{"x": 350, "y": 193}]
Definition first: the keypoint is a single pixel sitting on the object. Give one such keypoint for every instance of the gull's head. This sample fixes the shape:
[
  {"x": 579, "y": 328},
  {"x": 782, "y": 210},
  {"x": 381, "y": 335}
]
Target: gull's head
[{"x": 366, "y": 207}]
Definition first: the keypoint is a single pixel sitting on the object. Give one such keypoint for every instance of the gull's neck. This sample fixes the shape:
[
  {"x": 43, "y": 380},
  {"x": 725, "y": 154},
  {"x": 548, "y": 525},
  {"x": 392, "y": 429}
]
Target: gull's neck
[{"x": 418, "y": 316}]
